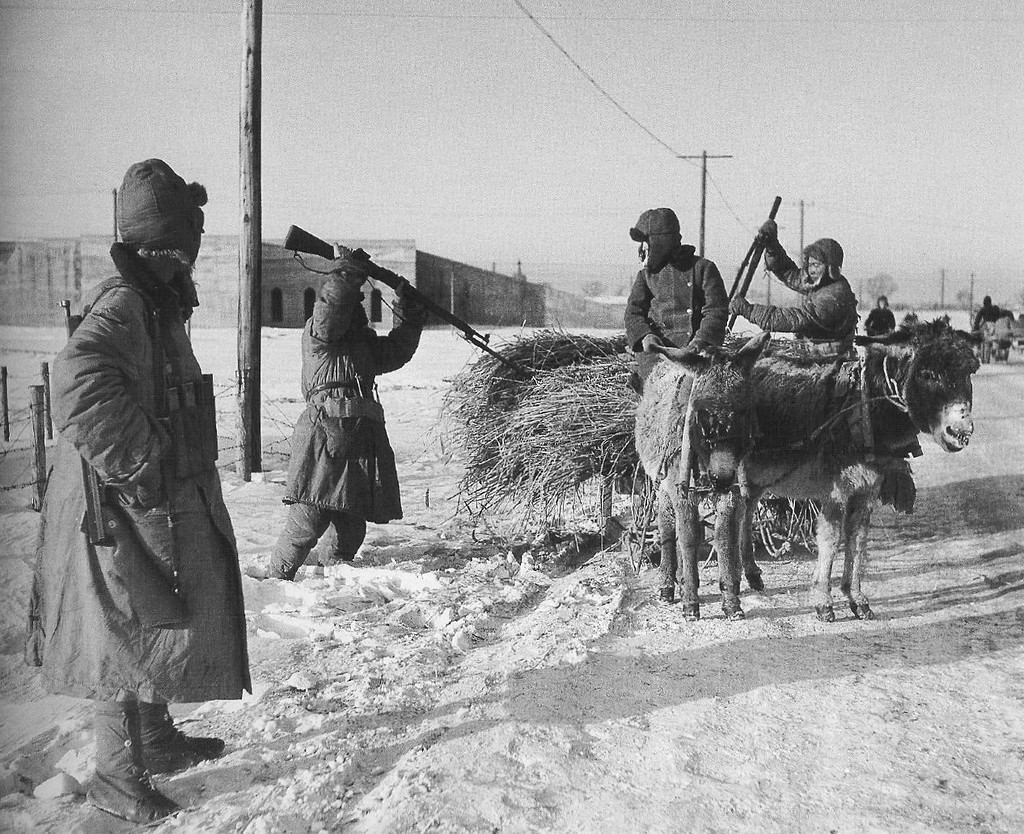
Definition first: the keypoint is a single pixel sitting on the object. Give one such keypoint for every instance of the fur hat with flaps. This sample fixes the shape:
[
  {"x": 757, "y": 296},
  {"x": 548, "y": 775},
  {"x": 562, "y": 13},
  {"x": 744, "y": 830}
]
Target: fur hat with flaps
[
  {"x": 157, "y": 211},
  {"x": 659, "y": 229},
  {"x": 829, "y": 252}
]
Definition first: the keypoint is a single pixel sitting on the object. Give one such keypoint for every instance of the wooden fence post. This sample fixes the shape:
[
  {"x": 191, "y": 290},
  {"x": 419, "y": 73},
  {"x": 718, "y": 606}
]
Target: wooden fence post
[
  {"x": 3, "y": 404},
  {"x": 45, "y": 370},
  {"x": 38, "y": 445}
]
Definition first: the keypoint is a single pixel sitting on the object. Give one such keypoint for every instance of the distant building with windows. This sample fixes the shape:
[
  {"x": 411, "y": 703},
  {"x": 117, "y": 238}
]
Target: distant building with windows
[{"x": 36, "y": 275}]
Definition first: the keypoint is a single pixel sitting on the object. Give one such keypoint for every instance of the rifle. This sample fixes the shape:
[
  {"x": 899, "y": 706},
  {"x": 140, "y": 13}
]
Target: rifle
[
  {"x": 299, "y": 240},
  {"x": 753, "y": 256},
  {"x": 95, "y": 524}
]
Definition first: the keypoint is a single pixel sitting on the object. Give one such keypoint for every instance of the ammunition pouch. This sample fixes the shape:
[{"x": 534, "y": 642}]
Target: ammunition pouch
[
  {"x": 192, "y": 423},
  {"x": 353, "y": 407}
]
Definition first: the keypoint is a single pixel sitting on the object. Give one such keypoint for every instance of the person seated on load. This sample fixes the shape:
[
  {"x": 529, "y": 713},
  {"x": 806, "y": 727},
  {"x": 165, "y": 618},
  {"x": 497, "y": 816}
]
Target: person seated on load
[{"x": 826, "y": 317}]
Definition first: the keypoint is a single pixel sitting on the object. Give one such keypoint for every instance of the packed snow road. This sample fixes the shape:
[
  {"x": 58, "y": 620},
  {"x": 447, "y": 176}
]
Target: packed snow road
[{"x": 440, "y": 684}]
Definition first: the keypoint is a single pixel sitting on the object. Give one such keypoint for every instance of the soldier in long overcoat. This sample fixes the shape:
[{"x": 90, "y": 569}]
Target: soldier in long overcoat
[
  {"x": 342, "y": 469},
  {"x": 678, "y": 298},
  {"x": 155, "y": 613}
]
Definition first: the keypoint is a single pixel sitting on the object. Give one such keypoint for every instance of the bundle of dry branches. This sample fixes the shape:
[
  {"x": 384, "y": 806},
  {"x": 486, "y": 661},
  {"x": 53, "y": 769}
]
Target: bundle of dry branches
[{"x": 532, "y": 439}]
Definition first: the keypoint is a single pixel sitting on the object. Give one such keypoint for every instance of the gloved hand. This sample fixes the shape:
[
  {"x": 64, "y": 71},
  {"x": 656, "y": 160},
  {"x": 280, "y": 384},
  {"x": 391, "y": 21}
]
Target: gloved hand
[
  {"x": 408, "y": 307},
  {"x": 768, "y": 233},
  {"x": 350, "y": 270},
  {"x": 149, "y": 488},
  {"x": 649, "y": 340},
  {"x": 739, "y": 306}
]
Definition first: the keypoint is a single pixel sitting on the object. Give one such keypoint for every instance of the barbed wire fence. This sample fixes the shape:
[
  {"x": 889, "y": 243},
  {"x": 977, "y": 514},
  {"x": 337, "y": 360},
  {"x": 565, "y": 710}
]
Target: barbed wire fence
[{"x": 28, "y": 441}]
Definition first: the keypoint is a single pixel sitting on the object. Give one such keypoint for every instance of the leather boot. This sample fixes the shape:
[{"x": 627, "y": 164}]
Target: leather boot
[
  {"x": 120, "y": 785},
  {"x": 165, "y": 748}
]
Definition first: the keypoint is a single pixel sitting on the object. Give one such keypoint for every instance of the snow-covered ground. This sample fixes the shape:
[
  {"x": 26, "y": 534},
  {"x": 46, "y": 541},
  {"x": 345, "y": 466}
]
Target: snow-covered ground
[{"x": 455, "y": 679}]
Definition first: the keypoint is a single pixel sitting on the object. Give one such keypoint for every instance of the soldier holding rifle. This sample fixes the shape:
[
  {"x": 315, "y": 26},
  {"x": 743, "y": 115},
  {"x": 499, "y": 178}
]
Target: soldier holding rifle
[
  {"x": 342, "y": 471},
  {"x": 137, "y": 598}
]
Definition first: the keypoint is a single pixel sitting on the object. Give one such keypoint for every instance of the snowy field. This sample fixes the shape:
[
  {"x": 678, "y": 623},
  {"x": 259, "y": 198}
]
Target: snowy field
[{"x": 452, "y": 680}]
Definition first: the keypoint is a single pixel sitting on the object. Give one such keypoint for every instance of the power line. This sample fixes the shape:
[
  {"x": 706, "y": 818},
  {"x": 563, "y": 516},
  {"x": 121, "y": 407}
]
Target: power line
[{"x": 592, "y": 80}]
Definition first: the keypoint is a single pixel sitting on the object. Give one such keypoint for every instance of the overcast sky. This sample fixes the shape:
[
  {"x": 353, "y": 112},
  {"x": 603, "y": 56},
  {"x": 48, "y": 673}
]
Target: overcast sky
[{"x": 459, "y": 124}]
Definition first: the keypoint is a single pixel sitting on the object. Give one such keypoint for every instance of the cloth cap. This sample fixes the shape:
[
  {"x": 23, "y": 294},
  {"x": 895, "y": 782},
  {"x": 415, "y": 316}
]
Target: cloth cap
[
  {"x": 659, "y": 221},
  {"x": 157, "y": 210}
]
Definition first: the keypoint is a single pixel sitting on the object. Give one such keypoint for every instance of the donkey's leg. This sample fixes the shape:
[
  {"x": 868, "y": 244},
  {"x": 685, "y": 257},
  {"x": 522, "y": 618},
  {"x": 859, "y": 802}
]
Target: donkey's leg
[
  {"x": 728, "y": 508},
  {"x": 745, "y": 541},
  {"x": 691, "y": 536},
  {"x": 667, "y": 532},
  {"x": 858, "y": 522},
  {"x": 830, "y": 539}
]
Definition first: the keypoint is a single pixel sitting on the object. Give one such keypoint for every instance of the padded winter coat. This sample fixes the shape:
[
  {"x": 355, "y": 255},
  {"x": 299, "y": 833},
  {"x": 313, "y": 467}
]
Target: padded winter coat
[
  {"x": 89, "y": 609},
  {"x": 683, "y": 302},
  {"x": 341, "y": 458},
  {"x": 827, "y": 311}
]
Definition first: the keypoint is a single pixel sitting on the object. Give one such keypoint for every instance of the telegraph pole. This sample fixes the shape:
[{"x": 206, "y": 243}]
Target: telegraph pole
[
  {"x": 802, "y": 204},
  {"x": 971, "y": 297},
  {"x": 704, "y": 157},
  {"x": 250, "y": 278},
  {"x": 942, "y": 289}
]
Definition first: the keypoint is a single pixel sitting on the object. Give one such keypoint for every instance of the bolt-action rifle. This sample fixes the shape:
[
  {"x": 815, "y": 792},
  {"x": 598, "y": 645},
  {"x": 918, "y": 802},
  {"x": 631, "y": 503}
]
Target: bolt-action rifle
[{"x": 299, "y": 240}]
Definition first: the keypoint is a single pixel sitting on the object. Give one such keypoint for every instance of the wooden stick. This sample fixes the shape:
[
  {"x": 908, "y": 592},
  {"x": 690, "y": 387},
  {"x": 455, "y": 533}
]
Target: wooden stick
[
  {"x": 3, "y": 404},
  {"x": 38, "y": 445},
  {"x": 47, "y": 415}
]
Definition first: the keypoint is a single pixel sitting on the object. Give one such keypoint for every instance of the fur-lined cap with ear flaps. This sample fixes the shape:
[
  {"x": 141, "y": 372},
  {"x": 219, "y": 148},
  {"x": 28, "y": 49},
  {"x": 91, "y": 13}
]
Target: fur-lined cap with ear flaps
[
  {"x": 157, "y": 210},
  {"x": 659, "y": 221}
]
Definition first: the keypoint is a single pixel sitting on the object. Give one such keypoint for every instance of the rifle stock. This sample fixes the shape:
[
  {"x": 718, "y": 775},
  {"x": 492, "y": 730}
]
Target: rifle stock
[{"x": 299, "y": 240}]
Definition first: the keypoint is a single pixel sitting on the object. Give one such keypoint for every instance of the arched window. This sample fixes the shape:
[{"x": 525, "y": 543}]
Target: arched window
[
  {"x": 375, "y": 306},
  {"x": 308, "y": 300},
  {"x": 276, "y": 305}
]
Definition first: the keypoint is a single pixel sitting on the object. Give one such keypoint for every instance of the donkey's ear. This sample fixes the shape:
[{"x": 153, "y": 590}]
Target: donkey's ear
[
  {"x": 747, "y": 355},
  {"x": 689, "y": 358}
]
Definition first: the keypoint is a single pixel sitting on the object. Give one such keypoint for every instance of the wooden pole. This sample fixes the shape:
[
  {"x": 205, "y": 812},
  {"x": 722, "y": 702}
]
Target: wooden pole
[
  {"x": 6, "y": 417},
  {"x": 38, "y": 445},
  {"x": 703, "y": 157},
  {"x": 249, "y": 253},
  {"x": 45, "y": 373}
]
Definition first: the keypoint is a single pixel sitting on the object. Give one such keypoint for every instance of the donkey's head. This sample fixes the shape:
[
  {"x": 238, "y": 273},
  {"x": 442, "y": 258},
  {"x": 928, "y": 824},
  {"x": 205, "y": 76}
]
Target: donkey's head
[
  {"x": 927, "y": 368},
  {"x": 722, "y": 401}
]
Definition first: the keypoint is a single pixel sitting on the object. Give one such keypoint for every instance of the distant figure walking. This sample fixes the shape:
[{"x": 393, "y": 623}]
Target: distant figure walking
[
  {"x": 881, "y": 320},
  {"x": 678, "y": 299},
  {"x": 988, "y": 313},
  {"x": 985, "y": 324},
  {"x": 827, "y": 315}
]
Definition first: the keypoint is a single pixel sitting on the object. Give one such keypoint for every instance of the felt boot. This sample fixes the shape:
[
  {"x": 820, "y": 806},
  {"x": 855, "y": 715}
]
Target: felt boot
[
  {"x": 121, "y": 785},
  {"x": 165, "y": 748}
]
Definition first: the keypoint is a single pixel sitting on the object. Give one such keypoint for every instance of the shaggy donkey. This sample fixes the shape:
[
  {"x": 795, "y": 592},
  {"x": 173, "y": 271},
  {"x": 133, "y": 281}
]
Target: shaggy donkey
[
  {"x": 714, "y": 420},
  {"x": 840, "y": 433}
]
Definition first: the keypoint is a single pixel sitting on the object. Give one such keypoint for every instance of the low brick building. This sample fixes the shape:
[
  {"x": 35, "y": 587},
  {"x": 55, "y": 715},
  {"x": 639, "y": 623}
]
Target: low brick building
[{"x": 36, "y": 275}]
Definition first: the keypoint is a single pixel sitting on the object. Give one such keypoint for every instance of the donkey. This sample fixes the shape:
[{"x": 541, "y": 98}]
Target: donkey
[
  {"x": 841, "y": 433},
  {"x": 701, "y": 402}
]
